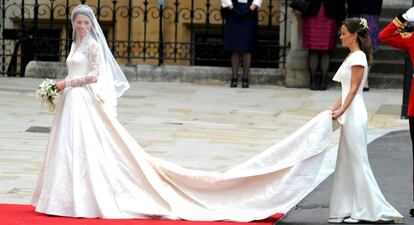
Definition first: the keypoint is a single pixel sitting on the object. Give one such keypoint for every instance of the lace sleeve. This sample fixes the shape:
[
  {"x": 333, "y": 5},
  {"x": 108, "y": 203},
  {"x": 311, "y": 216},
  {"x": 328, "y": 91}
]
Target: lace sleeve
[{"x": 94, "y": 64}]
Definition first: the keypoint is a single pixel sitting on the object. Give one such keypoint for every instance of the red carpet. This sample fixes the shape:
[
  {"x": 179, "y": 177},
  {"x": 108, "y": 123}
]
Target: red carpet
[{"x": 25, "y": 215}]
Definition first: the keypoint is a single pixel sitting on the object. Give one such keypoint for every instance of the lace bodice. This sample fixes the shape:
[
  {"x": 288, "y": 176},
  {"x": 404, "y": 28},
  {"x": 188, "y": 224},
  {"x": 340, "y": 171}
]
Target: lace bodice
[{"x": 83, "y": 64}]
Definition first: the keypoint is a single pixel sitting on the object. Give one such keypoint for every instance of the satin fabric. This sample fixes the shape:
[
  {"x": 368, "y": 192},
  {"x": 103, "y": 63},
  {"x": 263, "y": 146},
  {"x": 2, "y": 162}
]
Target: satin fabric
[
  {"x": 355, "y": 192},
  {"x": 94, "y": 168}
]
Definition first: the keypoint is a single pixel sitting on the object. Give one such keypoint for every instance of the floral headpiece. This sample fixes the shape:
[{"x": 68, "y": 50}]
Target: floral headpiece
[{"x": 363, "y": 22}]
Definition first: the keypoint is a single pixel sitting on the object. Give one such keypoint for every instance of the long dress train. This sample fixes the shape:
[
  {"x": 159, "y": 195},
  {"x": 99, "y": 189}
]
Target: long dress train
[{"x": 94, "y": 168}]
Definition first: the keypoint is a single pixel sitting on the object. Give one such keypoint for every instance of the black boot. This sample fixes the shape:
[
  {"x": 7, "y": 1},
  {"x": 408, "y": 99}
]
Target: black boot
[
  {"x": 245, "y": 83},
  {"x": 324, "y": 82},
  {"x": 312, "y": 82},
  {"x": 233, "y": 83},
  {"x": 412, "y": 212}
]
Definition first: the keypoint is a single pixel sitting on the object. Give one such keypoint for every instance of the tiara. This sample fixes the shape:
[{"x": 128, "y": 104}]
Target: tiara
[{"x": 363, "y": 22}]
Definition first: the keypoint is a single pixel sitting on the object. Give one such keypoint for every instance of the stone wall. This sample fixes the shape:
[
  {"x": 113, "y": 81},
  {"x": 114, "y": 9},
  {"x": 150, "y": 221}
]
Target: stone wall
[
  {"x": 165, "y": 73},
  {"x": 297, "y": 74}
]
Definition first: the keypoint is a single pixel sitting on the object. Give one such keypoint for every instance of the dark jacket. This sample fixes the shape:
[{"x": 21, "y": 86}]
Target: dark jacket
[
  {"x": 357, "y": 7},
  {"x": 334, "y": 9}
]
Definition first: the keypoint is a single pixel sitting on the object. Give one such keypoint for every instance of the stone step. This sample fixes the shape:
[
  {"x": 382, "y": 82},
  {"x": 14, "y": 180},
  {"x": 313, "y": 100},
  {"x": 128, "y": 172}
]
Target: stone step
[
  {"x": 388, "y": 68},
  {"x": 377, "y": 80},
  {"x": 381, "y": 80},
  {"x": 397, "y": 3},
  {"x": 384, "y": 53},
  {"x": 379, "y": 66},
  {"x": 390, "y": 13},
  {"x": 385, "y": 21},
  {"x": 388, "y": 53},
  {"x": 165, "y": 73}
]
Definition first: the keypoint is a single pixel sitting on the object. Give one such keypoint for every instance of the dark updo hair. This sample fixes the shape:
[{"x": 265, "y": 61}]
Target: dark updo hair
[{"x": 359, "y": 26}]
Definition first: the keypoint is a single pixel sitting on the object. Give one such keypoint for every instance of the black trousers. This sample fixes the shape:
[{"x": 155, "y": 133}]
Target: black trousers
[{"x": 411, "y": 122}]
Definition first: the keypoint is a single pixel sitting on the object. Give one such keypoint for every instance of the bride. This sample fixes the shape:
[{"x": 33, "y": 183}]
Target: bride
[{"x": 93, "y": 167}]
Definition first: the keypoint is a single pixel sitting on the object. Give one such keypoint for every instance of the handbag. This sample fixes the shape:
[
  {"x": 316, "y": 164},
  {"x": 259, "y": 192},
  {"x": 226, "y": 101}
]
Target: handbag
[{"x": 299, "y": 5}]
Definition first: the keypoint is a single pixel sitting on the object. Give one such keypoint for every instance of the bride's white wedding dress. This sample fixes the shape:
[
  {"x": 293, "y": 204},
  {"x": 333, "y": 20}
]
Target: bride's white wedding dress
[{"x": 94, "y": 168}]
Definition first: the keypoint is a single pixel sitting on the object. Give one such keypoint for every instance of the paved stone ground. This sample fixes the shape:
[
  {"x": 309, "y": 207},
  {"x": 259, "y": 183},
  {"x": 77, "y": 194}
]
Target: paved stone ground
[{"x": 200, "y": 126}]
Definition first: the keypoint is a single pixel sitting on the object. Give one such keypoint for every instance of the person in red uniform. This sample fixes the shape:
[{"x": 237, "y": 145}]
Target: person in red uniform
[{"x": 396, "y": 35}]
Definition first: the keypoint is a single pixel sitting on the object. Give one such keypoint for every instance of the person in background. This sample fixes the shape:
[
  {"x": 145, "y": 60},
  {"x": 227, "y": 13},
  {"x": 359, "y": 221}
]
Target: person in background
[
  {"x": 240, "y": 33},
  {"x": 370, "y": 10},
  {"x": 319, "y": 29},
  {"x": 396, "y": 35}
]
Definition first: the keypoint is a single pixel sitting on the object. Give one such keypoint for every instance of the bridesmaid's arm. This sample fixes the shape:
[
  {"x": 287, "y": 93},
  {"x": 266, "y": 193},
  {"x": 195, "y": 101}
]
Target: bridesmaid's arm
[
  {"x": 357, "y": 74},
  {"x": 337, "y": 104}
]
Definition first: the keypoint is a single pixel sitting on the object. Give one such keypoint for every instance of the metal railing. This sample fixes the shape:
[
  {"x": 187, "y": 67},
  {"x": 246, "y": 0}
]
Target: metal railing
[{"x": 186, "y": 32}]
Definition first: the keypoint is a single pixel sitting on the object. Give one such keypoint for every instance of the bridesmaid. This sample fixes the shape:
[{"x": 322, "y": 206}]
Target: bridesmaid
[{"x": 355, "y": 193}]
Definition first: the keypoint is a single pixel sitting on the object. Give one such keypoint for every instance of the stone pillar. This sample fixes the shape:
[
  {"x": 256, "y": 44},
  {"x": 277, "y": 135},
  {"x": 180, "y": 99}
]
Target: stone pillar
[{"x": 297, "y": 74}]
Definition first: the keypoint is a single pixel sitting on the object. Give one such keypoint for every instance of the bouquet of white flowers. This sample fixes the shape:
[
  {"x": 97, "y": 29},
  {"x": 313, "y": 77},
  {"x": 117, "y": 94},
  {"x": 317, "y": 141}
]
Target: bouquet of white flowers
[{"x": 47, "y": 93}]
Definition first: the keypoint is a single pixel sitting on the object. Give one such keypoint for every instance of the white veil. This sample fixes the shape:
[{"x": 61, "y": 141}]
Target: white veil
[{"x": 111, "y": 82}]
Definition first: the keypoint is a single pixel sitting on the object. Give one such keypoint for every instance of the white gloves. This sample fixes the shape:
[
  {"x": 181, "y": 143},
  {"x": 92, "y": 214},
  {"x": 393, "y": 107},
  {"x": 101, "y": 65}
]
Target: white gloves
[{"x": 409, "y": 15}]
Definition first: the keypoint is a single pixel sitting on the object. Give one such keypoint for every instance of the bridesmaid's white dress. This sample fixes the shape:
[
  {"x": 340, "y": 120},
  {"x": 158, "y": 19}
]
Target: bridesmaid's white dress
[
  {"x": 355, "y": 192},
  {"x": 94, "y": 168}
]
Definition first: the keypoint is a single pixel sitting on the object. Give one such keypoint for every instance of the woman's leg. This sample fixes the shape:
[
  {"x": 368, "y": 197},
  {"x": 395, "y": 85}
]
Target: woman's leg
[
  {"x": 325, "y": 61},
  {"x": 247, "y": 58},
  {"x": 235, "y": 63},
  {"x": 313, "y": 63}
]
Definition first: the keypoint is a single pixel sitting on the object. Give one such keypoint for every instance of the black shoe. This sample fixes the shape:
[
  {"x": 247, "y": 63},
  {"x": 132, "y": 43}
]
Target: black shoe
[
  {"x": 412, "y": 212},
  {"x": 323, "y": 83},
  {"x": 233, "y": 83},
  {"x": 245, "y": 83},
  {"x": 323, "y": 86},
  {"x": 313, "y": 84},
  {"x": 365, "y": 89}
]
